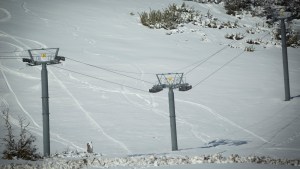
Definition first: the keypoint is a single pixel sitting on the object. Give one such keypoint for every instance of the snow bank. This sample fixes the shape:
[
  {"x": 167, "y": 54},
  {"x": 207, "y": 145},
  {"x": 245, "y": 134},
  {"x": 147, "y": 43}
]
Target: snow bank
[{"x": 145, "y": 161}]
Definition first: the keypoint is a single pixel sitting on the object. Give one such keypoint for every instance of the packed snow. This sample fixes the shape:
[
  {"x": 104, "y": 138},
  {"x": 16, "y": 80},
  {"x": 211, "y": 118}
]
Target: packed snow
[{"x": 235, "y": 115}]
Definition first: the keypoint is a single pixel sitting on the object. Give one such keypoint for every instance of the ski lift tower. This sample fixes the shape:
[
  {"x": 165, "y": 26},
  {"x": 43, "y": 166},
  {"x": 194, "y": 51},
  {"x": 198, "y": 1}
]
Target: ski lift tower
[
  {"x": 282, "y": 16},
  {"x": 171, "y": 81},
  {"x": 44, "y": 57}
]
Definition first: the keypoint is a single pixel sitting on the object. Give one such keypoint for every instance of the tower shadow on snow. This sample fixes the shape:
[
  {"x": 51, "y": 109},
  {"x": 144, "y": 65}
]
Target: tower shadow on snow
[
  {"x": 222, "y": 142},
  {"x": 293, "y": 97}
]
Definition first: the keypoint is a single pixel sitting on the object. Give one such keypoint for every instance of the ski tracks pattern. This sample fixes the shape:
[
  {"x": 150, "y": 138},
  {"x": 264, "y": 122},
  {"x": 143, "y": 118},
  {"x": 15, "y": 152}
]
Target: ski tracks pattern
[
  {"x": 5, "y": 16},
  {"x": 30, "y": 12},
  {"x": 37, "y": 128},
  {"x": 151, "y": 105},
  {"x": 18, "y": 40},
  {"x": 18, "y": 101},
  {"x": 88, "y": 115},
  {"x": 224, "y": 119}
]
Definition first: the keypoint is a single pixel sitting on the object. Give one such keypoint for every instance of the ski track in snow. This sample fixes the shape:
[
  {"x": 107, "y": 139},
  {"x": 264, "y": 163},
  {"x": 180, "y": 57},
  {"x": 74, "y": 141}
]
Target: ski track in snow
[
  {"x": 151, "y": 107},
  {"x": 6, "y": 69},
  {"x": 290, "y": 139},
  {"x": 11, "y": 44},
  {"x": 17, "y": 99},
  {"x": 88, "y": 115},
  {"x": 212, "y": 8},
  {"x": 224, "y": 119},
  {"x": 18, "y": 40},
  {"x": 93, "y": 87},
  {"x": 202, "y": 136},
  {"x": 37, "y": 130},
  {"x": 150, "y": 104},
  {"x": 58, "y": 138},
  {"x": 124, "y": 93},
  {"x": 30, "y": 12},
  {"x": 165, "y": 115},
  {"x": 15, "y": 122},
  {"x": 67, "y": 141},
  {"x": 38, "y": 127},
  {"x": 7, "y": 15},
  {"x": 64, "y": 87}
]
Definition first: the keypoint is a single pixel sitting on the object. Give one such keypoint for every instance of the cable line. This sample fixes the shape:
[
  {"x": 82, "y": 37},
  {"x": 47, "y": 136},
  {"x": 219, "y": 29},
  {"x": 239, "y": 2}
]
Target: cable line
[
  {"x": 9, "y": 58},
  {"x": 209, "y": 57},
  {"x": 206, "y": 59},
  {"x": 108, "y": 70},
  {"x": 14, "y": 51},
  {"x": 13, "y": 56},
  {"x": 218, "y": 69},
  {"x": 93, "y": 77},
  {"x": 223, "y": 65},
  {"x": 115, "y": 70}
]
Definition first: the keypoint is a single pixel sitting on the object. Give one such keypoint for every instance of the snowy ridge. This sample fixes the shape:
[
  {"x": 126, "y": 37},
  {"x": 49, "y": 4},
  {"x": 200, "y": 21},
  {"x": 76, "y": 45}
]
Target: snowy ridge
[{"x": 87, "y": 160}]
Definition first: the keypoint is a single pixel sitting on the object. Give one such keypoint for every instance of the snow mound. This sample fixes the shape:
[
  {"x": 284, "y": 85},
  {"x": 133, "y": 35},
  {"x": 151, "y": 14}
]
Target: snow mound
[{"x": 94, "y": 160}]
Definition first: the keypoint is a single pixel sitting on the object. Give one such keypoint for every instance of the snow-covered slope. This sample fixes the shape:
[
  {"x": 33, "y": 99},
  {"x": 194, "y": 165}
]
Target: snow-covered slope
[{"x": 235, "y": 107}]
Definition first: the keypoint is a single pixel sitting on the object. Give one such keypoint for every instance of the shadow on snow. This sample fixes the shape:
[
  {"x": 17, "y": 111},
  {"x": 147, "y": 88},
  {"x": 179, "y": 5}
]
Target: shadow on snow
[{"x": 221, "y": 142}]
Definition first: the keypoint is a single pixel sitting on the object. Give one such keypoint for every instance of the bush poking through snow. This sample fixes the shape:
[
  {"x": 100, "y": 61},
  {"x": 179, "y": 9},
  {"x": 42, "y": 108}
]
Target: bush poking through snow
[
  {"x": 251, "y": 31},
  {"x": 256, "y": 8},
  {"x": 233, "y": 6},
  {"x": 249, "y": 48},
  {"x": 237, "y": 36},
  {"x": 170, "y": 17},
  {"x": 230, "y": 24},
  {"x": 175, "y": 16},
  {"x": 18, "y": 147},
  {"x": 206, "y": 1},
  {"x": 255, "y": 42},
  {"x": 292, "y": 39}
]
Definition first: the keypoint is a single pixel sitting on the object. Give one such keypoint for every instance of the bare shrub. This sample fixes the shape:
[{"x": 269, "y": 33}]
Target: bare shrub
[{"x": 21, "y": 146}]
